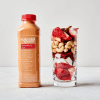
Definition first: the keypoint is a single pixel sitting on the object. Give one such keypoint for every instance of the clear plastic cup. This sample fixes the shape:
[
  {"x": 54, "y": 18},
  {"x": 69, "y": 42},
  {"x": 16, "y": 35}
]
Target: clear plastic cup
[{"x": 64, "y": 60}]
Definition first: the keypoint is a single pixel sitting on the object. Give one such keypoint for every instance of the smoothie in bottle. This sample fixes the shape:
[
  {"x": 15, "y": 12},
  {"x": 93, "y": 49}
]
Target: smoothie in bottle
[{"x": 28, "y": 52}]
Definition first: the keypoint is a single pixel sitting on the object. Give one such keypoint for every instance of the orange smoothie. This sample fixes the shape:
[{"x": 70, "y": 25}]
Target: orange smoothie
[{"x": 28, "y": 52}]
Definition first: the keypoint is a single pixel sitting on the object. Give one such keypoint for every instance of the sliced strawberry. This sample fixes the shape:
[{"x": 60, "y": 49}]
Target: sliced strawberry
[
  {"x": 61, "y": 72},
  {"x": 71, "y": 71},
  {"x": 66, "y": 37},
  {"x": 75, "y": 29},
  {"x": 64, "y": 55},
  {"x": 57, "y": 32},
  {"x": 67, "y": 77},
  {"x": 55, "y": 39},
  {"x": 56, "y": 64},
  {"x": 63, "y": 65},
  {"x": 53, "y": 55},
  {"x": 72, "y": 33}
]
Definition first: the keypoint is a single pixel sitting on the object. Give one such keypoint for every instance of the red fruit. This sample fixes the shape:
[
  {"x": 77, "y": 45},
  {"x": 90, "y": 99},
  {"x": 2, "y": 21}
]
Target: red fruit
[
  {"x": 71, "y": 71},
  {"x": 53, "y": 55},
  {"x": 57, "y": 32},
  {"x": 75, "y": 29},
  {"x": 67, "y": 77},
  {"x": 56, "y": 64},
  {"x": 64, "y": 55},
  {"x": 60, "y": 72},
  {"x": 66, "y": 37},
  {"x": 63, "y": 65},
  {"x": 69, "y": 54},
  {"x": 55, "y": 39},
  {"x": 72, "y": 33}
]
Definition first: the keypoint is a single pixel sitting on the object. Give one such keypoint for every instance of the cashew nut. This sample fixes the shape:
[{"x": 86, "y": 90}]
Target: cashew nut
[
  {"x": 54, "y": 44},
  {"x": 54, "y": 50},
  {"x": 73, "y": 50},
  {"x": 61, "y": 44},
  {"x": 68, "y": 46},
  {"x": 60, "y": 49},
  {"x": 65, "y": 50},
  {"x": 70, "y": 43}
]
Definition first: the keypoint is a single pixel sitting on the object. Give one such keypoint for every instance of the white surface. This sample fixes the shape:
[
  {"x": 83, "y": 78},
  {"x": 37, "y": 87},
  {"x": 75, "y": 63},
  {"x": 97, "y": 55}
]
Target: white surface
[
  {"x": 84, "y": 14},
  {"x": 88, "y": 87}
]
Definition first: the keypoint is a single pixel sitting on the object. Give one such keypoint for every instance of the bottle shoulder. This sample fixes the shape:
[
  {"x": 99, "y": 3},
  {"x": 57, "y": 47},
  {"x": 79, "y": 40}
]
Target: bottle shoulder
[{"x": 28, "y": 29}]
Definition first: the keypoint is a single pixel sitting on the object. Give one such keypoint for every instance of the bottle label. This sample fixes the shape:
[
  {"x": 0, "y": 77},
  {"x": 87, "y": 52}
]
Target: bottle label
[
  {"x": 28, "y": 46},
  {"x": 29, "y": 71}
]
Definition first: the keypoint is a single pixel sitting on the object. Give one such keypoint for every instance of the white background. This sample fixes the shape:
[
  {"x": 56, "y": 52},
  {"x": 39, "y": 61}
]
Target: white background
[{"x": 84, "y": 14}]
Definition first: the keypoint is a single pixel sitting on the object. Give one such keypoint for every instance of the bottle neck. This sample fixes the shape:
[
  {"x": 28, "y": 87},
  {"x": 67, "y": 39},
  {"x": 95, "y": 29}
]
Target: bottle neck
[{"x": 28, "y": 21}]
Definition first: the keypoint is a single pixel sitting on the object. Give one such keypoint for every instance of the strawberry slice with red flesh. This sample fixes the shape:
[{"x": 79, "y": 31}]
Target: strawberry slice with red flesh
[
  {"x": 72, "y": 33},
  {"x": 63, "y": 65},
  {"x": 64, "y": 71},
  {"x": 66, "y": 37},
  {"x": 71, "y": 71},
  {"x": 53, "y": 55},
  {"x": 61, "y": 72},
  {"x": 55, "y": 39},
  {"x": 67, "y": 77},
  {"x": 75, "y": 29},
  {"x": 57, "y": 32},
  {"x": 64, "y": 55}
]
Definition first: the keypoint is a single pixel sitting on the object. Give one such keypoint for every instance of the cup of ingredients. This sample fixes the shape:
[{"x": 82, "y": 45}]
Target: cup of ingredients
[{"x": 64, "y": 54}]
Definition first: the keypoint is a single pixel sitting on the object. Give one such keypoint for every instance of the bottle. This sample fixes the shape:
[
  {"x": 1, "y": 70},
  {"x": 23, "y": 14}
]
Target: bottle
[{"x": 28, "y": 52}]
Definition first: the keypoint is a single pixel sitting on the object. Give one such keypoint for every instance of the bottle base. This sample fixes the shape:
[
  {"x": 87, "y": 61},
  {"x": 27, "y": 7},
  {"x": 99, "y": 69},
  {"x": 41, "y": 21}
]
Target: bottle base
[
  {"x": 29, "y": 85},
  {"x": 65, "y": 84}
]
